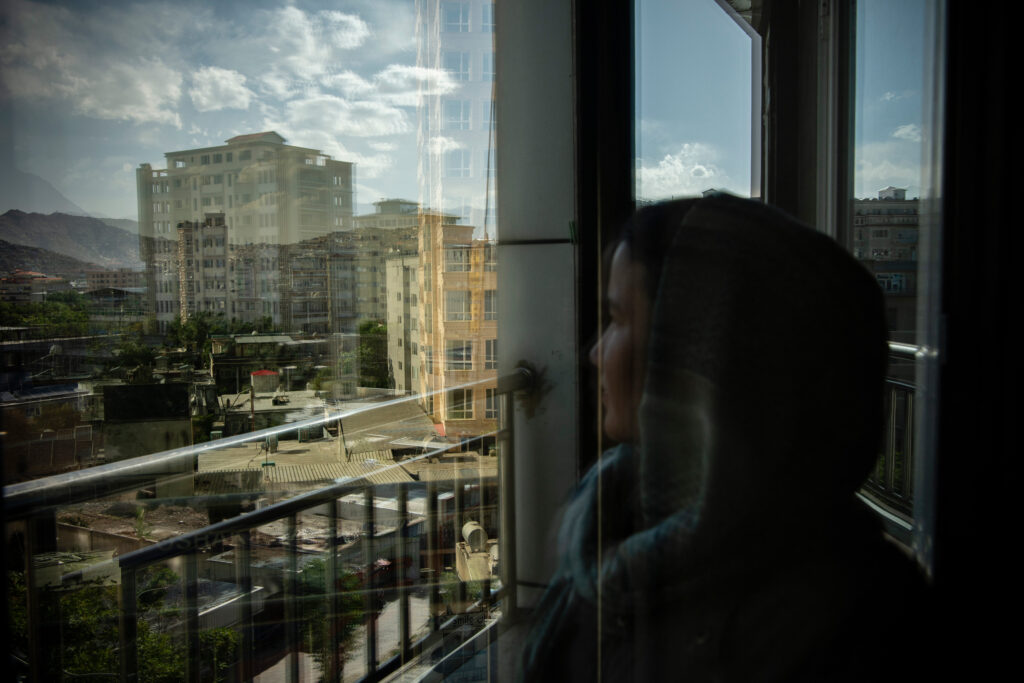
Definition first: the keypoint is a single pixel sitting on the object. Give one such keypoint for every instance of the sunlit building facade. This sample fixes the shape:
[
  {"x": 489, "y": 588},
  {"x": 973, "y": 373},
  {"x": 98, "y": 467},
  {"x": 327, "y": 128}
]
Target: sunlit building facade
[{"x": 269, "y": 193}]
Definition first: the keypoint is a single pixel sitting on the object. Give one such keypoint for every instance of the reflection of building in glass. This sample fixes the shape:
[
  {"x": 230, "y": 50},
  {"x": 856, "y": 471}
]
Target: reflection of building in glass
[
  {"x": 458, "y": 325},
  {"x": 25, "y": 286},
  {"x": 456, "y": 157},
  {"x": 402, "y": 272},
  {"x": 885, "y": 241},
  {"x": 266, "y": 192}
]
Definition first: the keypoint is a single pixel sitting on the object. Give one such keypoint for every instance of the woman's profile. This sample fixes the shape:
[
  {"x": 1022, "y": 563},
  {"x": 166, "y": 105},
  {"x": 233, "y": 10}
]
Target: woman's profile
[{"x": 742, "y": 374}]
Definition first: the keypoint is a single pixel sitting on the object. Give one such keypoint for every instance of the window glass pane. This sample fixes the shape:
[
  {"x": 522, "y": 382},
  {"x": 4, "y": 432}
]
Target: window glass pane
[
  {"x": 887, "y": 225},
  {"x": 887, "y": 172},
  {"x": 694, "y": 117},
  {"x": 243, "y": 217}
]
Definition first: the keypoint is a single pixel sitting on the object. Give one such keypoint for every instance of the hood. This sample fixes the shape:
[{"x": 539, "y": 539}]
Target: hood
[{"x": 762, "y": 405}]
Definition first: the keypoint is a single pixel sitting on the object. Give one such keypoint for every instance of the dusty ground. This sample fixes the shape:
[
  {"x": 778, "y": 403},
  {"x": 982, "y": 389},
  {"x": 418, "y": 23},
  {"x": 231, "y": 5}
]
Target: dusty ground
[{"x": 121, "y": 516}]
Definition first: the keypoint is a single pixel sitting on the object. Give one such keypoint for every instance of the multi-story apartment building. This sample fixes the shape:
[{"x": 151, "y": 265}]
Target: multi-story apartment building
[
  {"x": 402, "y": 275},
  {"x": 885, "y": 241},
  {"x": 455, "y": 132},
  {"x": 121, "y": 278},
  {"x": 269, "y": 193},
  {"x": 458, "y": 340}
]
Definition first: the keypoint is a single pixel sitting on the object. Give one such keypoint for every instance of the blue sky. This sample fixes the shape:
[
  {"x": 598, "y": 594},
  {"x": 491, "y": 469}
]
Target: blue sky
[
  {"x": 694, "y": 108},
  {"x": 91, "y": 89},
  {"x": 88, "y": 90}
]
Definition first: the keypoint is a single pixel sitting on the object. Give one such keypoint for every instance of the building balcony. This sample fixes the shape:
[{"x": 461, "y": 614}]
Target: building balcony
[{"x": 310, "y": 546}]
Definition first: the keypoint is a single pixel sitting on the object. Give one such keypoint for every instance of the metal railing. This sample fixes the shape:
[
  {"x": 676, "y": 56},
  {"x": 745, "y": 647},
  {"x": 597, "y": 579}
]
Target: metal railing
[
  {"x": 33, "y": 504},
  {"x": 889, "y": 489}
]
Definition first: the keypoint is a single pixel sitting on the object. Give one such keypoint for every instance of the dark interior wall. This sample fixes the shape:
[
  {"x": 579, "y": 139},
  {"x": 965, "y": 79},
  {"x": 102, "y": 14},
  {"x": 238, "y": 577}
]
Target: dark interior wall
[{"x": 979, "y": 378}]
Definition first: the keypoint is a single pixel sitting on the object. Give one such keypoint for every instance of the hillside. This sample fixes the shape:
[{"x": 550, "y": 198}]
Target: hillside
[
  {"x": 79, "y": 237},
  {"x": 14, "y": 256}
]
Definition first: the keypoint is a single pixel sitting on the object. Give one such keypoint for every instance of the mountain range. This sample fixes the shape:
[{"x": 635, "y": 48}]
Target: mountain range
[
  {"x": 83, "y": 238},
  {"x": 19, "y": 257}
]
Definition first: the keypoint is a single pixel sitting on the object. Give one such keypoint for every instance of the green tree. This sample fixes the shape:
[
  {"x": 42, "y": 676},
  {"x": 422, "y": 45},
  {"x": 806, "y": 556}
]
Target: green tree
[
  {"x": 314, "y": 619},
  {"x": 88, "y": 617},
  {"x": 373, "y": 355}
]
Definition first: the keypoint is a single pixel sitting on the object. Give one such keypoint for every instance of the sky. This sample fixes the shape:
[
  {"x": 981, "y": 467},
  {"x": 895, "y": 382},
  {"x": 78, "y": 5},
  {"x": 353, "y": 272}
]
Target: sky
[
  {"x": 693, "y": 104},
  {"x": 92, "y": 89},
  {"x": 89, "y": 90}
]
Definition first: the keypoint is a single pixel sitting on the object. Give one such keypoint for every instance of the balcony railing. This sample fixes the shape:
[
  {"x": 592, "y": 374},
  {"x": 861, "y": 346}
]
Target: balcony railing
[
  {"x": 890, "y": 486},
  {"x": 262, "y": 607}
]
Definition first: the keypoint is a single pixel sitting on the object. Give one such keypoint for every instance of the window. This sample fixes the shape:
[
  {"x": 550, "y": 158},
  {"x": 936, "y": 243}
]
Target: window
[
  {"x": 460, "y": 404},
  {"x": 487, "y": 17},
  {"x": 459, "y": 355},
  {"x": 457, "y": 305},
  {"x": 456, "y": 163},
  {"x": 457, "y": 64},
  {"x": 491, "y": 304},
  {"x": 457, "y": 259},
  {"x": 491, "y": 404},
  {"x": 487, "y": 66},
  {"x": 491, "y": 354},
  {"x": 456, "y": 114},
  {"x": 456, "y": 17}
]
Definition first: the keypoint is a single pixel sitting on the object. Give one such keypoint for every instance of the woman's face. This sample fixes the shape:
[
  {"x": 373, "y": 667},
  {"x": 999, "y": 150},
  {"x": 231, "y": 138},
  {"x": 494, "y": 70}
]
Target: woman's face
[{"x": 620, "y": 353}]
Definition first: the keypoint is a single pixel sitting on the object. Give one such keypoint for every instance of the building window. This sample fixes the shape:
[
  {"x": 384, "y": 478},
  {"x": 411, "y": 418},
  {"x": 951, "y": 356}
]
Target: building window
[
  {"x": 491, "y": 354},
  {"x": 460, "y": 404},
  {"x": 459, "y": 354},
  {"x": 456, "y": 259},
  {"x": 457, "y": 305},
  {"x": 491, "y": 304},
  {"x": 204, "y": 159},
  {"x": 457, "y": 64},
  {"x": 456, "y": 17},
  {"x": 487, "y": 67},
  {"x": 456, "y": 163},
  {"x": 487, "y": 18},
  {"x": 456, "y": 114},
  {"x": 491, "y": 404}
]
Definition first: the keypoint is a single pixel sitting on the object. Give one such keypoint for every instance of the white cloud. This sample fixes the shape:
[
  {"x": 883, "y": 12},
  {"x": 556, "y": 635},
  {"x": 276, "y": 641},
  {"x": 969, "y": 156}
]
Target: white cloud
[
  {"x": 690, "y": 171},
  {"x": 441, "y": 144},
  {"x": 895, "y": 162},
  {"x": 348, "y": 83},
  {"x": 343, "y": 31},
  {"x": 307, "y": 46},
  {"x": 402, "y": 84},
  {"x": 910, "y": 132},
  {"x": 340, "y": 117},
  {"x": 214, "y": 89},
  {"x": 50, "y": 53}
]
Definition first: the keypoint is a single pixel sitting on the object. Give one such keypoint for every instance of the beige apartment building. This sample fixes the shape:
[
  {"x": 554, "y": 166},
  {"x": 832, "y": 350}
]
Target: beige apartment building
[
  {"x": 458, "y": 340},
  {"x": 885, "y": 237},
  {"x": 268, "y": 193},
  {"x": 121, "y": 278}
]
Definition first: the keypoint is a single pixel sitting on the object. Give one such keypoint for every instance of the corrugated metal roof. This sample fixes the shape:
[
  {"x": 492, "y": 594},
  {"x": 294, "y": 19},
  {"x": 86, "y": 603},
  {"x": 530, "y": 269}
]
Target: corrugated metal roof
[{"x": 255, "y": 478}]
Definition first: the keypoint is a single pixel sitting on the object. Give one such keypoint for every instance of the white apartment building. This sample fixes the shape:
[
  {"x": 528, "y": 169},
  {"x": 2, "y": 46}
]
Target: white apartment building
[{"x": 268, "y": 193}]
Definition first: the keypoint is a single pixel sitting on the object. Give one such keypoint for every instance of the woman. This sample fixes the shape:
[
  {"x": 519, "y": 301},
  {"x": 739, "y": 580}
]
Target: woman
[{"x": 742, "y": 371}]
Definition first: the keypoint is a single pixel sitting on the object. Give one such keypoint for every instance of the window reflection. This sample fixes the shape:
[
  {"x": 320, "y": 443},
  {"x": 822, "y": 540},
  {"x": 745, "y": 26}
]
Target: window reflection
[{"x": 243, "y": 220}]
